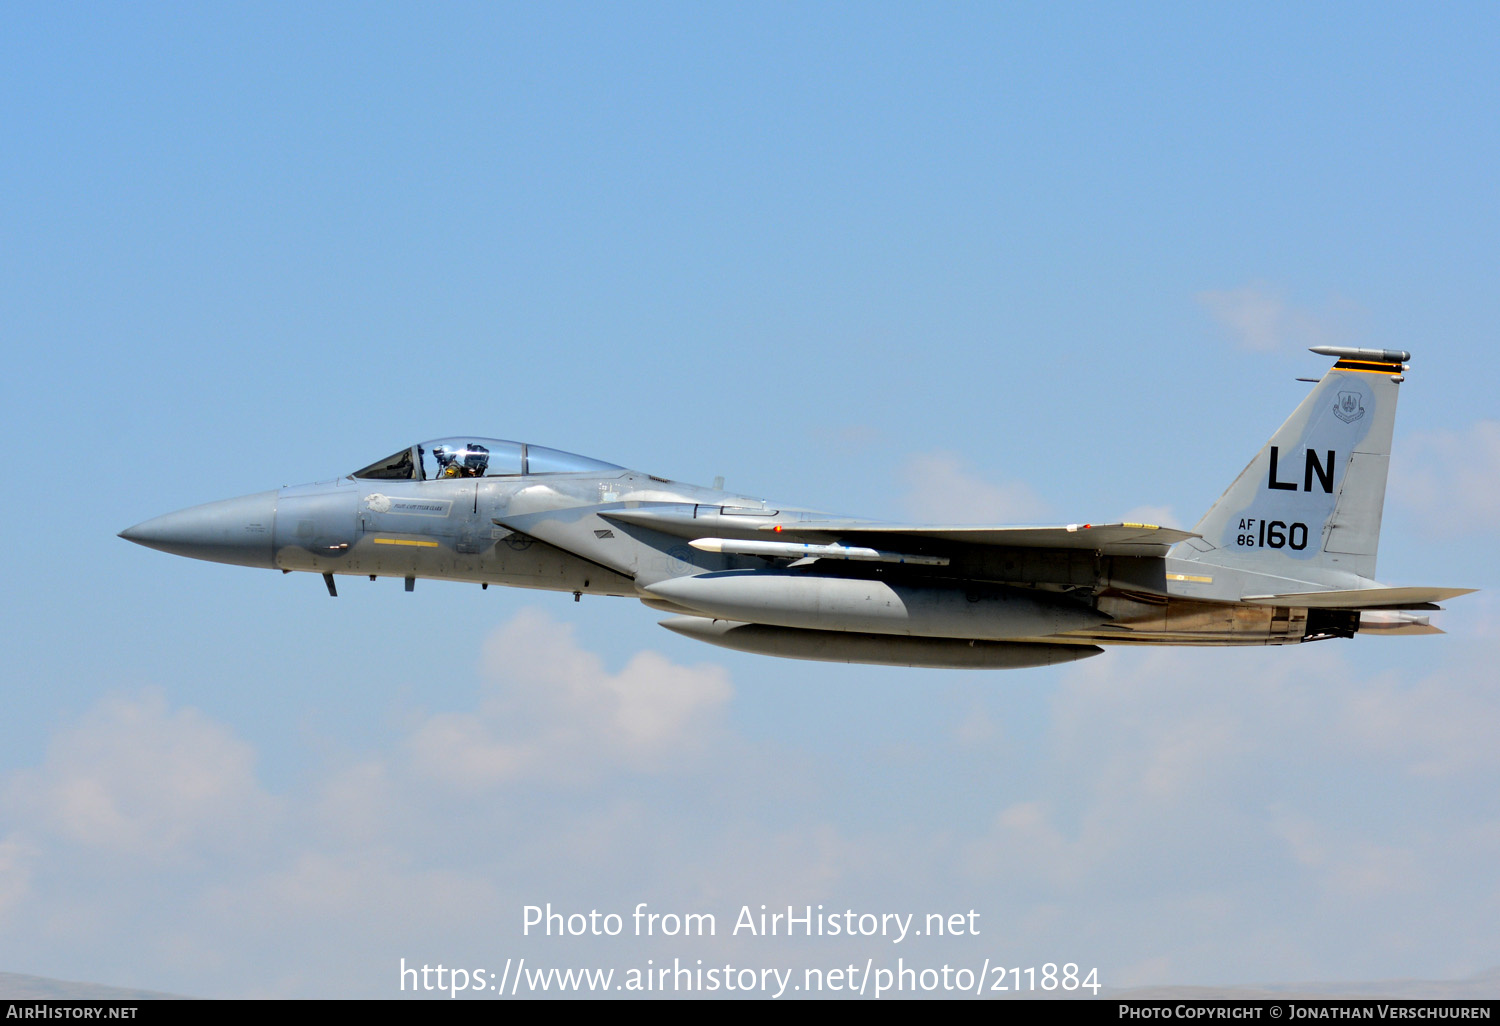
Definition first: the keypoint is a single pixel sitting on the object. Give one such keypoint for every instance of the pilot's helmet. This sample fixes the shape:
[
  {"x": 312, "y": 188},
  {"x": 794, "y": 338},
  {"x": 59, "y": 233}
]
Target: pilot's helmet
[
  {"x": 443, "y": 455},
  {"x": 476, "y": 459}
]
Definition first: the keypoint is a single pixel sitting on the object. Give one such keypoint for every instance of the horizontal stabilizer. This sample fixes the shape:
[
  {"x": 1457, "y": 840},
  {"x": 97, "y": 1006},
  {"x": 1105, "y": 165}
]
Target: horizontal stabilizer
[{"x": 1362, "y": 598}]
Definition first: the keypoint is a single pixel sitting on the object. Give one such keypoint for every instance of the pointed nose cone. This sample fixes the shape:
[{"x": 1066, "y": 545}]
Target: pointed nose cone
[{"x": 235, "y": 531}]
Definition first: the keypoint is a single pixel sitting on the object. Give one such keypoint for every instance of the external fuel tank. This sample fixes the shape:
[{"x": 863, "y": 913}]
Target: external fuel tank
[
  {"x": 875, "y": 606},
  {"x": 884, "y": 649}
]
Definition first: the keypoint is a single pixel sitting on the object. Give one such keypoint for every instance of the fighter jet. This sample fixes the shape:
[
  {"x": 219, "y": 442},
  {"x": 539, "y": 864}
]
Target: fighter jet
[{"x": 1286, "y": 556}]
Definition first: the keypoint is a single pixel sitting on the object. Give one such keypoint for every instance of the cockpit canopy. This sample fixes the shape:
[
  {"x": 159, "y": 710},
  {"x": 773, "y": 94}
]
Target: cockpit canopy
[{"x": 467, "y": 456}]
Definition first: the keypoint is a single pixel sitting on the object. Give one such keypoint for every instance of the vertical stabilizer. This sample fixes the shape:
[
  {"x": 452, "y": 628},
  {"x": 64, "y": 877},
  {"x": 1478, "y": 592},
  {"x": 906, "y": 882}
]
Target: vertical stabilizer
[{"x": 1308, "y": 506}]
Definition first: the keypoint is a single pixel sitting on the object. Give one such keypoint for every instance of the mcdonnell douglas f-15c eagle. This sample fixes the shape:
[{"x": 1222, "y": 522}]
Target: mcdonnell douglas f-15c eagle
[{"x": 1286, "y": 555}]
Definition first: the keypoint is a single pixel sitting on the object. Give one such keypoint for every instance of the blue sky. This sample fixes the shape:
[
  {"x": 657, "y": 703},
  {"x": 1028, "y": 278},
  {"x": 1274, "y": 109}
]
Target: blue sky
[{"x": 1022, "y": 263}]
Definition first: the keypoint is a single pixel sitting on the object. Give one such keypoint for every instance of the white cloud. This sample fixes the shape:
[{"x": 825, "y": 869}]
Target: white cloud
[
  {"x": 1179, "y": 744},
  {"x": 1451, "y": 479},
  {"x": 1257, "y": 317},
  {"x": 355, "y": 802},
  {"x": 135, "y": 778},
  {"x": 552, "y": 710},
  {"x": 940, "y": 489},
  {"x": 1439, "y": 727},
  {"x": 1169, "y": 814},
  {"x": 133, "y": 826},
  {"x": 1259, "y": 784},
  {"x": 1349, "y": 867}
]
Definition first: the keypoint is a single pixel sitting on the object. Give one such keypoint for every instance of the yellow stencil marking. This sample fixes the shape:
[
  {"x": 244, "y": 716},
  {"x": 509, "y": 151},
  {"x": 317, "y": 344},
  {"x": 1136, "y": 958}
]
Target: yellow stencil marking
[
  {"x": 1190, "y": 577},
  {"x": 406, "y": 541}
]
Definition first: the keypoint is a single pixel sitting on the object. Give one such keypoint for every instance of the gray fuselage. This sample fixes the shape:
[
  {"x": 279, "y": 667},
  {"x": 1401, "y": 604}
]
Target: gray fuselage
[{"x": 564, "y": 532}]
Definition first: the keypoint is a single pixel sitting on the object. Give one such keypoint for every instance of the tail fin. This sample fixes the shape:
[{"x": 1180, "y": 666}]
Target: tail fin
[{"x": 1308, "y": 507}]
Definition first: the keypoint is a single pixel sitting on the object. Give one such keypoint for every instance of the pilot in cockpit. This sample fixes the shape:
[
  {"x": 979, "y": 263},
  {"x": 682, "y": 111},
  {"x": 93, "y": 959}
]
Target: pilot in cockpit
[
  {"x": 475, "y": 460},
  {"x": 447, "y": 461}
]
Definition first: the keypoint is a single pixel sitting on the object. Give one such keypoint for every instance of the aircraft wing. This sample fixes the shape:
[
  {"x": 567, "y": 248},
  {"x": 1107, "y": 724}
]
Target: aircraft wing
[
  {"x": 1109, "y": 539},
  {"x": 1123, "y": 539}
]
